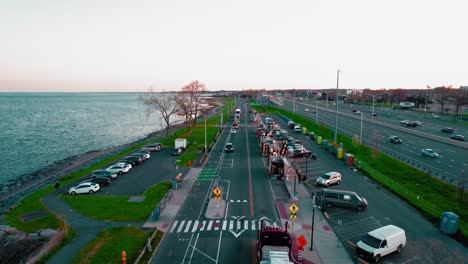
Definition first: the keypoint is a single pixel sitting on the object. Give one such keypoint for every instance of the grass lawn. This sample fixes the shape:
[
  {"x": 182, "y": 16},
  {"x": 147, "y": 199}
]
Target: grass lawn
[
  {"x": 435, "y": 196},
  {"x": 108, "y": 246},
  {"x": 117, "y": 208}
]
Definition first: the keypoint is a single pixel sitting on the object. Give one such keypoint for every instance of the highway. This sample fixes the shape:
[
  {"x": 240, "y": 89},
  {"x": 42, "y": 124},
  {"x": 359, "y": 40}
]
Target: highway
[
  {"x": 452, "y": 163},
  {"x": 193, "y": 238}
]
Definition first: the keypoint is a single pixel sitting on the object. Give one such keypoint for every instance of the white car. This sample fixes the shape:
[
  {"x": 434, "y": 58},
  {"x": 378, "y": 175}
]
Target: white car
[
  {"x": 307, "y": 110},
  {"x": 118, "y": 169},
  {"x": 418, "y": 123},
  {"x": 404, "y": 122},
  {"x": 329, "y": 178},
  {"x": 233, "y": 131},
  {"x": 153, "y": 147},
  {"x": 85, "y": 187},
  {"x": 124, "y": 164},
  {"x": 430, "y": 153}
]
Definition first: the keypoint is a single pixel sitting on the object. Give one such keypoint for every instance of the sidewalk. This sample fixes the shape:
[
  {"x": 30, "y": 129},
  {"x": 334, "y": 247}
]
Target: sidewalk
[
  {"x": 173, "y": 206},
  {"x": 326, "y": 246}
]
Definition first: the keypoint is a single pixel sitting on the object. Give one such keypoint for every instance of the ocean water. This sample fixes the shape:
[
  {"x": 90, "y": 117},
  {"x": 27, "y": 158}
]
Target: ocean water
[{"x": 37, "y": 129}]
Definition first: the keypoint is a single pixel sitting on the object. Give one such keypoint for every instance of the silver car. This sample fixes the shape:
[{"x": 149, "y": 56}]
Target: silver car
[{"x": 329, "y": 178}]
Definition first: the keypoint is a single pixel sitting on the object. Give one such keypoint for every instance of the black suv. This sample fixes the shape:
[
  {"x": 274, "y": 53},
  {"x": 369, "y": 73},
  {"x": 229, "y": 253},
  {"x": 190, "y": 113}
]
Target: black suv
[
  {"x": 229, "y": 148},
  {"x": 395, "y": 140},
  {"x": 102, "y": 181},
  {"x": 447, "y": 130},
  {"x": 412, "y": 124}
]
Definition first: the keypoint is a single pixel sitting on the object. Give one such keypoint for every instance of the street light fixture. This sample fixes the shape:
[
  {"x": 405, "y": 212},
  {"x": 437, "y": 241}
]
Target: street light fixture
[{"x": 360, "y": 135}]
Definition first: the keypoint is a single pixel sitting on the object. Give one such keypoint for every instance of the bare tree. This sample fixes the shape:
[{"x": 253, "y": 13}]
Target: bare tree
[
  {"x": 398, "y": 95},
  {"x": 189, "y": 100},
  {"x": 460, "y": 98},
  {"x": 164, "y": 104},
  {"x": 441, "y": 96}
]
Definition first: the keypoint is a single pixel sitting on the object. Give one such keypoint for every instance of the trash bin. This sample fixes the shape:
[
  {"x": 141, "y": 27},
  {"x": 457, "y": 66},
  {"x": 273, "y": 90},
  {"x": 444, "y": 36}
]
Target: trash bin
[
  {"x": 156, "y": 214},
  {"x": 449, "y": 223},
  {"x": 331, "y": 148},
  {"x": 325, "y": 144},
  {"x": 339, "y": 153},
  {"x": 174, "y": 183},
  {"x": 319, "y": 140},
  {"x": 312, "y": 135},
  {"x": 304, "y": 130}
]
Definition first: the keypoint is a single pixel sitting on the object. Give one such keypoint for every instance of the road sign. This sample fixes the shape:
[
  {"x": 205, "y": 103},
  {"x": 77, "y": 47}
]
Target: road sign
[
  {"x": 293, "y": 216},
  {"x": 217, "y": 191},
  {"x": 293, "y": 208},
  {"x": 301, "y": 241}
]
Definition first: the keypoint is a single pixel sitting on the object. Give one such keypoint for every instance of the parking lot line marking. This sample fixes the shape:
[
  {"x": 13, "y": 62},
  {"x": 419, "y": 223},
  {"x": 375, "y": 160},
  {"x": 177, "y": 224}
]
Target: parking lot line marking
[
  {"x": 224, "y": 224},
  {"x": 231, "y": 224},
  {"x": 209, "y": 225},
  {"x": 187, "y": 227},
  {"x": 181, "y": 226},
  {"x": 203, "y": 226},
  {"x": 173, "y": 226},
  {"x": 195, "y": 226}
]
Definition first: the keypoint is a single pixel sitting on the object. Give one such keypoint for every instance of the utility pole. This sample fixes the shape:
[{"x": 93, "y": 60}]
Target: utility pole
[
  {"x": 336, "y": 101},
  {"x": 316, "y": 111},
  {"x": 206, "y": 149},
  {"x": 360, "y": 134},
  {"x": 221, "y": 119}
]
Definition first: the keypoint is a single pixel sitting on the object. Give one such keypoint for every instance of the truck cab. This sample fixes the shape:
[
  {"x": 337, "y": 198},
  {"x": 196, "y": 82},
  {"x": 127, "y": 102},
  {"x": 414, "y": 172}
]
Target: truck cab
[{"x": 274, "y": 245}]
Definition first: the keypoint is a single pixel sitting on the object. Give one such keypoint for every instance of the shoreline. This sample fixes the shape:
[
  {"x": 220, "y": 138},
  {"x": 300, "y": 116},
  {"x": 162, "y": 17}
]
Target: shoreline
[{"x": 17, "y": 190}]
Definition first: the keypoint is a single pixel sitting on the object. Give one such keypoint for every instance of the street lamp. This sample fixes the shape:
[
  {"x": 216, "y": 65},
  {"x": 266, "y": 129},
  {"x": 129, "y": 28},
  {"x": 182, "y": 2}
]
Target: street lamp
[
  {"x": 360, "y": 134},
  {"x": 336, "y": 101},
  {"x": 206, "y": 150},
  {"x": 373, "y": 105}
]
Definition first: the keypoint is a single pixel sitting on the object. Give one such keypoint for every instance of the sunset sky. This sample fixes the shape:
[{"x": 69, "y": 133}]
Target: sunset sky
[{"x": 92, "y": 45}]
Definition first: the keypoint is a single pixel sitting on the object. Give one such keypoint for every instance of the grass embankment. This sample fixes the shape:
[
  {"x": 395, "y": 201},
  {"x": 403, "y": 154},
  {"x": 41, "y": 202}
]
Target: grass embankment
[
  {"x": 117, "y": 208},
  {"x": 428, "y": 194},
  {"x": 108, "y": 246}
]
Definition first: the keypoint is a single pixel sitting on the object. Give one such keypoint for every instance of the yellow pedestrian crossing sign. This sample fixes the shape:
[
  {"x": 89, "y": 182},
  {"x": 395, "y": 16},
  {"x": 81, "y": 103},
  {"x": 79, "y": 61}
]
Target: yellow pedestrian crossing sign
[
  {"x": 217, "y": 192},
  {"x": 293, "y": 208}
]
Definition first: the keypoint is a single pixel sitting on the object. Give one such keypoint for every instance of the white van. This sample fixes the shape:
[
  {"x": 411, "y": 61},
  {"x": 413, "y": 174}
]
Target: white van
[{"x": 381, "y": 242}]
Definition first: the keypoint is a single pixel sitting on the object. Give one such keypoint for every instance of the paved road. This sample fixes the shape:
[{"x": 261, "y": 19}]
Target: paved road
[
  {"x": 425, "y": 243},
  {"x": 193, "y": 238},
  {"x": 450, "y": 166}
]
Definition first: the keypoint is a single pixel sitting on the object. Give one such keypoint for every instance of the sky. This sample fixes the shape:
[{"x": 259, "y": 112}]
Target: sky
[{"x": 112, "y": 45}]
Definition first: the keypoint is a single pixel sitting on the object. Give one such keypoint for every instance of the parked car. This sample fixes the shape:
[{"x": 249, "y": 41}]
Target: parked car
[
  {"x": 117, "y": 169},
  {"x": 458, "y": 137},
  {"x": 102, "y": 181},
  {"x": 233, "y": 131},
  {"x": 299, "y": 153},
  {"x": 85, "y": 187},
  {"x": 430, "y": 153},
  {"x": 235, "y": 125},
  {"x": 307, "y": 110},
  {"x": 381, "y": 242},
  {"x": 143, "y": 156},
  {"x": 374, "y": 114},
  {"x": 332, "y": 197},
  {"x": 134, "y": 160},
  {"x": 146, "y": 154},
  {"x": 329, "y": 178},
  {"x": 447, "y": 130},
  {"x": 435, "y": 116},
  {"x": 153, "y": 147},
  {"x": 104, "y": 173},
  {"x": 297, "y": 129},
  {"x": 229, "y": 148},
  {"x": 357, "y": 112},
  {"x": 395, "y": 140},
  {"x": 124, "y": 164}
]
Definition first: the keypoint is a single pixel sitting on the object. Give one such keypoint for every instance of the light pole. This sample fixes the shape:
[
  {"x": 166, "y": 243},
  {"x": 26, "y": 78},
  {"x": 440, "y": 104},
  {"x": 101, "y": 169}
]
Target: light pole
[
  {"x": 373, "y": 105},
  {"x": 316, "y": 111},
  {"x": 425, "y": 104},
  {"x": 313, "y": 220},
  {"x": 360, "y": 134},
  {"x": 294, "y": 101},
  {"x": 336, "y": 101},
  {"x": 206, "y": 150}
]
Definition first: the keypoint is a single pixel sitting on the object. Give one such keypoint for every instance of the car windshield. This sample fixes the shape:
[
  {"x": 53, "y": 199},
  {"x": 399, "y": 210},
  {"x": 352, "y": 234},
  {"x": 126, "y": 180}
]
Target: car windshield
[
  {"x": 371, "y": 241},
  {"x": 430, "y": 150},
  {"x": 326, "y": 177}
]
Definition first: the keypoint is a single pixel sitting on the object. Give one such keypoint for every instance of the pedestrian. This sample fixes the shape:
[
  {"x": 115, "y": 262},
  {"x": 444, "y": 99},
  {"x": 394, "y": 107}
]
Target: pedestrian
[{"x": 57, "y": 185}]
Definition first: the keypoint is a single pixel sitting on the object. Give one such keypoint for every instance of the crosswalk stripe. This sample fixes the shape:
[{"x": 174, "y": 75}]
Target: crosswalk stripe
[
  {"x": 231, "y": 225},
  {"x": 216, "y": 225},
  {"x": 209, "y": 226},
  {"x": 173, "y": 226},
  {"x": 203, "y": 226},
  {"x": 187, "y": 227},
  {"x": 195, "y": 226},
  {"x": 253, "y": 224},
  {"x": 238, "y": 225},
  {"x": 181, "y": 226},
  {"x": 246, "y": 225},
  {"x": 224, "y": 224}
]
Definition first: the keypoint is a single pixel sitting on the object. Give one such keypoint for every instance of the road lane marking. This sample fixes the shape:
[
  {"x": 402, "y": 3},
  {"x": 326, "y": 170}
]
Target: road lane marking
[
  {"x": 195, "y": 226},
  {"x": 181, "y": 226},
  {"x": 173, "y": 226},
  {"x": 249, "y": 168},
  {"x": 187, "y": 227}
]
